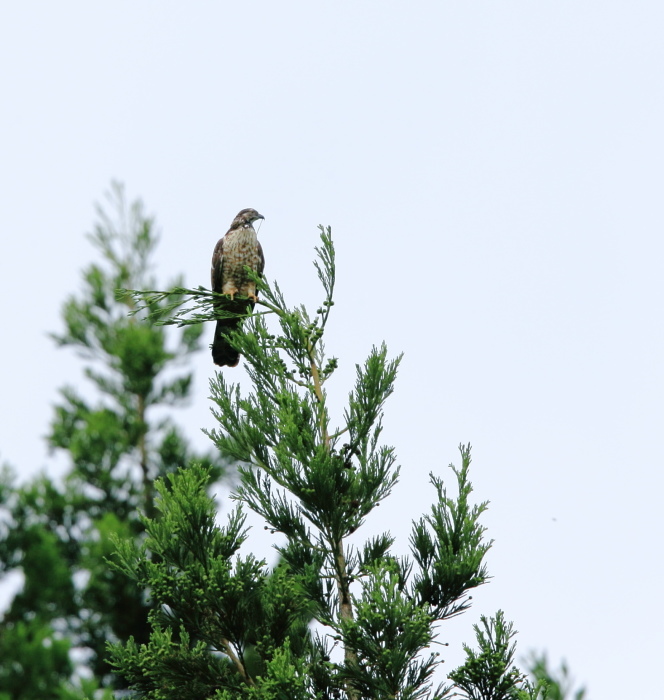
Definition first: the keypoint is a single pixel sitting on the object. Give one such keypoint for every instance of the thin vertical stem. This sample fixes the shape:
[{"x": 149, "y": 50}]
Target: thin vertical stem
[
  {"x": 143, "y": 456},
  {"x": 320, "y": 397},
  {"x": 342, "y": 579}
]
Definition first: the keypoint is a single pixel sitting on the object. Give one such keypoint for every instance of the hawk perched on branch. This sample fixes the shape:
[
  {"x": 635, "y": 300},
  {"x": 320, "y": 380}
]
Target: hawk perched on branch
[{"x": 239, "y": 247}]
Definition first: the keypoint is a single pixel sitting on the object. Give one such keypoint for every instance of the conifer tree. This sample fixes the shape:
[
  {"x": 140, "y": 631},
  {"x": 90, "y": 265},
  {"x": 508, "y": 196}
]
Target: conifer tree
[
  {"x": 119, "y": 438},
  {"x": 225, "y": 625}
]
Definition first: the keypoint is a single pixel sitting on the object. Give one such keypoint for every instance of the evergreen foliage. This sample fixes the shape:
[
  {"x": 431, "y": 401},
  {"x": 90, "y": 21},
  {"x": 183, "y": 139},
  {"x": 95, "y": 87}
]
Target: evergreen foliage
[
  {"x": 559, "y": 683},
  {"x": 490, "y": 674},
  {"x": 119, "y": 438},
  {"x": 225, "y": 625}
]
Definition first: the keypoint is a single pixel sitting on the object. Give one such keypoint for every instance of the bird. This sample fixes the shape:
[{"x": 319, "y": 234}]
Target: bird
[{"x": 237, "y": 249}]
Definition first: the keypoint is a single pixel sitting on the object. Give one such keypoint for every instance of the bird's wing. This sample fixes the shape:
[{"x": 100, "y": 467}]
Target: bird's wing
[
  {"x": 218, "y": 266},
  {"x": 261, "y": 260}
]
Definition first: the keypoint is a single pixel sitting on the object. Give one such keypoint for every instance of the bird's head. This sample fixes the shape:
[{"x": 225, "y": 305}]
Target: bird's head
[{"x": 246, "y": 218}]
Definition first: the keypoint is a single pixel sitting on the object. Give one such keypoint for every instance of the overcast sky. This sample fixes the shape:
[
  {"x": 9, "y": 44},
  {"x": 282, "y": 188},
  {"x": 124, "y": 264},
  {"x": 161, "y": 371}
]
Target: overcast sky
[{"x": 493, "y": 175}]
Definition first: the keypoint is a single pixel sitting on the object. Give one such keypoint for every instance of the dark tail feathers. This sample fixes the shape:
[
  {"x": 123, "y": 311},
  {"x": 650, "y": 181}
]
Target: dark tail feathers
[{"x": 223, "y": 353}]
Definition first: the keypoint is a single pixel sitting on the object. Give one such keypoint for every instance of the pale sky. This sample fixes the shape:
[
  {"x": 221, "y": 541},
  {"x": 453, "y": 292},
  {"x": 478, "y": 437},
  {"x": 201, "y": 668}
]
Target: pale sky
[{"x": 493, "y": 174}]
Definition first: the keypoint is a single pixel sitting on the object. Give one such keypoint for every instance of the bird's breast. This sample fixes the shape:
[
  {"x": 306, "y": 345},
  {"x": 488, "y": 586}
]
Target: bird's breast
[{"x": 241, "y": 249}]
